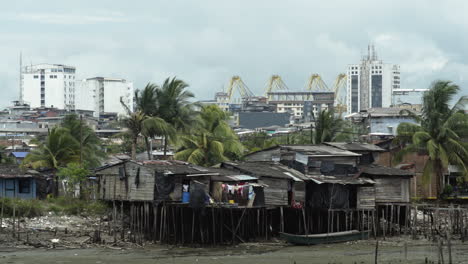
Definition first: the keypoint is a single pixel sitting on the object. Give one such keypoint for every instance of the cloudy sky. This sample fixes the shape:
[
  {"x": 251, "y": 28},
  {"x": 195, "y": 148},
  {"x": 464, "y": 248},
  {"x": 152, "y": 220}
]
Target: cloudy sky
[{"x": 205, "y": 42}]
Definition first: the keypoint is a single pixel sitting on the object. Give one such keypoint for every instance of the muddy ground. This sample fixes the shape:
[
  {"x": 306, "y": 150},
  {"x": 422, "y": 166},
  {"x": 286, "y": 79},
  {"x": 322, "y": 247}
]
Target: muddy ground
[
  {"x": 63, "y": 239},
  {"x": 272, "y": 253}
]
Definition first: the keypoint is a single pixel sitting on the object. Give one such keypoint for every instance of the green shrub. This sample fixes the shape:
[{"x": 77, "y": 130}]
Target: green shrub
[{"x": 59, "y": 206}]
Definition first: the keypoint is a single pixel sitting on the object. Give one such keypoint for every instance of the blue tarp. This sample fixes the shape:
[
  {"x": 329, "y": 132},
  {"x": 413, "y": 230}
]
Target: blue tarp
[{"x": 20, "y": 154}]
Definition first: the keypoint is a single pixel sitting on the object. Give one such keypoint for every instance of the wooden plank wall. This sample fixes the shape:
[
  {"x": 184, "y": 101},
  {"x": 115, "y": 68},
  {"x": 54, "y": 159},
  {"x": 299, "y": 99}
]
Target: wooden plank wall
[
  {"x": 112, "y": 187},
  {"x": 391, "y": 189},
  {"x": 299, "y": 191},
  {"x": 277, "y": 191},
  {"x": 365, "y": 197}
]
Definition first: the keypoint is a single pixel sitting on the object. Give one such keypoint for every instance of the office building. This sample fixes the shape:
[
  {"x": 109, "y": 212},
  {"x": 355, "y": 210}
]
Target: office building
[
  {"x": 371, "y": 83},
  {"x": 102, "y": 95},
  {"x": 48, "y": 85}
]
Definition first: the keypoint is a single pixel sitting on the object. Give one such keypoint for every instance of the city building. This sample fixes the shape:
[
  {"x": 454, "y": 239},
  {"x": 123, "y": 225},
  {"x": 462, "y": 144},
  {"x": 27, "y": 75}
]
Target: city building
[
  {"x": 221, "y": 100},
  {"x": 254, "y": 120},
  {"x": 407, "y": 96},
  {"x": 301, "y": 104},
  {"x": 370, "y": 84},
  {"x": 102, "y": 95},
  {"x": 381, "y": 121},
  {"x": 48, "y": 85}
]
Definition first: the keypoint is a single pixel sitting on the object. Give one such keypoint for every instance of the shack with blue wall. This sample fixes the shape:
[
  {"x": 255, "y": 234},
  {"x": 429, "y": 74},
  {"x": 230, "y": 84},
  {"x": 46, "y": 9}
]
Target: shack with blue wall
[{"x": 18, "y": 183}]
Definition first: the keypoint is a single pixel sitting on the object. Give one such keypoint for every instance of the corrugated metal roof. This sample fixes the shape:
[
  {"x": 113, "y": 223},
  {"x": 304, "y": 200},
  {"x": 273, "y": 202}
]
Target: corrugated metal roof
[
  {"x": 345, "y": 180},
  {"x": 355, "y": 146},
  {"x": 265, "y": 169},
  {"x": 320, "y": 150},
  {"x": 378, "y": 170}
]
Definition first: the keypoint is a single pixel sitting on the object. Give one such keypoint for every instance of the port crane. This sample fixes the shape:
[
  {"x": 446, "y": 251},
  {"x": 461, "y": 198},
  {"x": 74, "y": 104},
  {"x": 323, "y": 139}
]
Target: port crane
[
  {"x": 236, "y": 84},
  {"x": 316, "y": 84},
  {"x": 339, "y": 87}
]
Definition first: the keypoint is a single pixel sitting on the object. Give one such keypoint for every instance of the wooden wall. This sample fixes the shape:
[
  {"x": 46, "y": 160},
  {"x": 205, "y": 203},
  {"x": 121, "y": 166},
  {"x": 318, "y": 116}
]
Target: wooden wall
[
  {"x": 392, "y": 189},
  {"x": 365, "y": 197},
  {"x": 114, "y": 187},
  {"x": 277, "y": 191}
]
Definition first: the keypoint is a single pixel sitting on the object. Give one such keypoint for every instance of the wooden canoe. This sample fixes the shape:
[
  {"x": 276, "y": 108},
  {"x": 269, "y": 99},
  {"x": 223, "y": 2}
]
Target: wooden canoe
[{"x": 325, "y": 238}]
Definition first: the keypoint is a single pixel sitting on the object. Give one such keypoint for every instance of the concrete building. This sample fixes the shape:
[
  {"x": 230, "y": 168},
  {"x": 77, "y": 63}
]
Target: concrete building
[
  {"x": 381, "y": 121},
  {"x": 102, "y": 95},
  {"x": 370, "y": 84},
  {"x": 254, "y": 120},
  {"x": 48, "y": 85},
  {"x": 221, "y": 100},
  {"x": 294, "y": 102},
  {"x": 407, "y": 96}
]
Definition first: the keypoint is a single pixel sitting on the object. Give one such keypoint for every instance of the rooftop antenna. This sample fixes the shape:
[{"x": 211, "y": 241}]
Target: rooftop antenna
[
  {"x": 21, "y": 78},
  {"x": 374, "y": 54},
  {"x": 368, "y": 52}
]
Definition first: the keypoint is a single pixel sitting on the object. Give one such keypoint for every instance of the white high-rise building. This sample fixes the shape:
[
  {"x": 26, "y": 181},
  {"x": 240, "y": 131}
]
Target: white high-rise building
[
  {"x": 102, "y": 95},
  {"x": 48, "y": 85},
  {"x": 371, "y": 83}
]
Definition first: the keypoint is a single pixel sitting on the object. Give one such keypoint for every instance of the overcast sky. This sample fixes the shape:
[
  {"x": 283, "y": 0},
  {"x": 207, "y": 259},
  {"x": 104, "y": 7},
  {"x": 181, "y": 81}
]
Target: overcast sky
[{"x": 205, "y": 42}]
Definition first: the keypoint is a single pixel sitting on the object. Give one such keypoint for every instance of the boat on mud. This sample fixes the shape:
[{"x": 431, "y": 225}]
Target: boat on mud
[{"x": 325, "y": 238}]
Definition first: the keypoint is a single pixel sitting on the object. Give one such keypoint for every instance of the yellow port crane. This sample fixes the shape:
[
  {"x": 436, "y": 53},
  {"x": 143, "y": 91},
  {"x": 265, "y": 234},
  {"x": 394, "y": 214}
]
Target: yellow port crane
[
  {"x": 316, "y": 84},
  {"x": 275, "y": 83},
  {"x": 236, "y": 83},
  {"x": 339, "y": 87}
]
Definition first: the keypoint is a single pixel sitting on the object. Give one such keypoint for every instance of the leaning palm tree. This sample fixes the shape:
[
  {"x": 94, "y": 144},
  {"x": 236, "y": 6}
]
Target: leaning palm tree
[
  {"x": 439, "y": 133},
  {"x": 213, "y": 141},
  {"x": 175, "y": 108},
  {"x": 139, "y": 124}
]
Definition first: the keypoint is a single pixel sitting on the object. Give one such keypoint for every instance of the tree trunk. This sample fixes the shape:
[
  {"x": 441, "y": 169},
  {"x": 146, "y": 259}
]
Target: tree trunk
[
  {"x": 149, "y": 150},
  {"x": 440, "y": 179},
  {"x": 134, "y": 145},
  {"x": 165, "y": 147}
]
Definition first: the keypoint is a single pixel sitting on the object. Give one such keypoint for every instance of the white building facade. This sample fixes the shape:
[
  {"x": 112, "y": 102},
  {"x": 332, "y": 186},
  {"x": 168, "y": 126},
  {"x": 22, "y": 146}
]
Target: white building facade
[
  {"x": 408, "y": 96},
  {"x": 102, "y": 95},
  {"x": 48, "y": 85},
  {"x": 370, "y": 84}
]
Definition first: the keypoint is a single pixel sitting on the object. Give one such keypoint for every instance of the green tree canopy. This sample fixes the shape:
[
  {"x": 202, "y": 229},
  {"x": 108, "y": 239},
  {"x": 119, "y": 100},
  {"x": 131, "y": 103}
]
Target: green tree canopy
[
  {"x": 59, "y": 149},
  {"x": 439, "y": 133},
  {"x": 88, "y": 142},
  {"x": 212, "y": 141}
]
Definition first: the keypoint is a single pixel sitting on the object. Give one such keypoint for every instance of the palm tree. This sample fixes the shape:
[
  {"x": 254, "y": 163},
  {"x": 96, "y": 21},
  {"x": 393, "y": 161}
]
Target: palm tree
[
  {"x": 90, "y": 150},
  {"x": 212, "y": 142},
  {"x": 174, "y": 107},
  {"x": 59, "y": 149},
  {"x": 439, "y": 133},
  {"x": 140, "y": 124},
  {"x": 329, "y": 128},
  {"x": 258, "y": 141}
]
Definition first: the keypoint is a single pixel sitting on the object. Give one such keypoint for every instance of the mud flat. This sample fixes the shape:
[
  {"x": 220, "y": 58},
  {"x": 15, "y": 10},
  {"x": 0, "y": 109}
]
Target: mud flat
[{"x": 390, "y": 251}]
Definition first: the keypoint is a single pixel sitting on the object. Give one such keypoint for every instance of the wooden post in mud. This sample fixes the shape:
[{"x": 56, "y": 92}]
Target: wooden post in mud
[
  {"x": 306, "y": 228},
  {"x": 441, "y": 251},
  {"x": 406, "y": 251},
  {"x": 193, "y": 225},
  {"x": 449, "y": 245},
  {"x": 14, "y": 215},
  {"x": 122, "y": 235},
  {"x": 1, "y": 214},
  {"x": 415, "y": 218},
  {"x": 214, "y": 224},
  {"x": 376, "y": 257},
  {"x": 114, "y": 221},
  {"x": 281, "y": 219}
]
